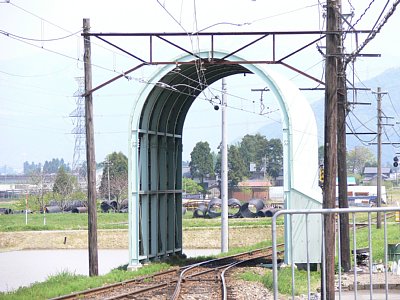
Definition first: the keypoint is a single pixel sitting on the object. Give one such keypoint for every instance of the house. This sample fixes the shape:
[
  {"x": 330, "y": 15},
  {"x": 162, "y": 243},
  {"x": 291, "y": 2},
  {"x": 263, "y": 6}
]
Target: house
[
  {"x": 251, "y": 189},
  {"x": 371, "y": 173}
]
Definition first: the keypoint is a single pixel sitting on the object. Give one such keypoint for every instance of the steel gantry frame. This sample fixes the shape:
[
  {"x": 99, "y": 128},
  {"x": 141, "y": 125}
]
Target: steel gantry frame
[
  {"x": 212, "y": 35},
  {"x": 155, "y": 137}
]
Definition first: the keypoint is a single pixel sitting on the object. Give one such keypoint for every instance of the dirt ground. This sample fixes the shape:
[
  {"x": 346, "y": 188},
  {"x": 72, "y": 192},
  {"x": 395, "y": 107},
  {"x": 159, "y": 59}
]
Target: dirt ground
[{"x": 118, "y": 239}]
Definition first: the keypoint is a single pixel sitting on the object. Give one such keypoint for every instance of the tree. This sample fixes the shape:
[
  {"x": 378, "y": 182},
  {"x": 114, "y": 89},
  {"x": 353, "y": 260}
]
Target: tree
[
  {"x": 64, "y": 185},
  {"x": 253, "y": 148},
  {"x": 115, "y": 176},
  {"x": 267, "y": 155},
  {"x": 201, "y": 163},
  {"x": 51, "y": 167},
  {"x": 191, "y": 187},
  {"x": 236, "y": 165},
  {"x": 358, "y": 158},
  {"x": 37, "y": 179},
  {"x": 29, "y": 168},
  {"x": 274, "y": 157}
]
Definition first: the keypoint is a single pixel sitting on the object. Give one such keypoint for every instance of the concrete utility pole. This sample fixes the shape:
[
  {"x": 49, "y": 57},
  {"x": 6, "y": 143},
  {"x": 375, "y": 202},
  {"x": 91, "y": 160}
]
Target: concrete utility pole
[
  {"x": 341, "y": 156},
  {"x": 91, "y": 162},
  {"x": 330, "y": 153},
  {"x": 379, "y": 152},
  {"x": 224, "y": 175},
  {"x": 108, "y": 163}
]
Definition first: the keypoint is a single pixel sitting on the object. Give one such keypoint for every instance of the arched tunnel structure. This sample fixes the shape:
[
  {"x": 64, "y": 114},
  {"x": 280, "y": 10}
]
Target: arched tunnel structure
[{"x": 155, "y": 156}]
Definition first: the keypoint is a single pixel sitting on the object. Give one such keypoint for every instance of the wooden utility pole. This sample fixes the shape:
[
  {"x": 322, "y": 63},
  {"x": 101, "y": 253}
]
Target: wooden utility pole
[
  {"x": 91, "y": 162},
  {"x": 341, "y": 157},
  {"x": 330, "y": 145},
  {"x": 379, "y": 152}
]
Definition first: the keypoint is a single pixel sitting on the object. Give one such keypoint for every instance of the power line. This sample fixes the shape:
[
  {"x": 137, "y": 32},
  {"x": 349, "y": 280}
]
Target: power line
[
  {"x": 372, "y": 35},
  {"x": 62, "y": 28},
  {"x": 38, "y": 40},
  {"x": 67, "y": 56},
  {"x": 363, "y": 14}
]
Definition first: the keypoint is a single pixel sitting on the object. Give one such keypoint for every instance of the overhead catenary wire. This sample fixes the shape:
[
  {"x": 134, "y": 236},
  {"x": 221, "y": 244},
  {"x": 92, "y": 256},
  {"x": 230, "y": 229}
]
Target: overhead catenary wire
[
  {"x": 64, "y": 29},
  {"x": 256, "y": 20},
  {"x": 72, "y": 58},
  {"x": 199, "y": 80},
  {"x": 39, "y": 40},
  {"x": 363, "y": 14},
  {"x": 371, "y": 36}
]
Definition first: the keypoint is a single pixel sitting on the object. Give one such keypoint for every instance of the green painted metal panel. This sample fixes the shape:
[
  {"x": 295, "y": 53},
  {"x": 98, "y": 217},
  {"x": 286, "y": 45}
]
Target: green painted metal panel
[{"x": 161, "y": 112}]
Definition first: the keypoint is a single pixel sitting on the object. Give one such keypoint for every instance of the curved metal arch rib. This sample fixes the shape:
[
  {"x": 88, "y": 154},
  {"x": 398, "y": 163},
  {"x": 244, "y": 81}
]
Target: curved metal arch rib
[{"x": 155, "y": 158}]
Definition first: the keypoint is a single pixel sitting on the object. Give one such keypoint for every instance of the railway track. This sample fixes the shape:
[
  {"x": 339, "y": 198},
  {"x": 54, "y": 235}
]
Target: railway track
[
  {"x": 363, "y": 224},
  {"x": 204, "y": 280}
]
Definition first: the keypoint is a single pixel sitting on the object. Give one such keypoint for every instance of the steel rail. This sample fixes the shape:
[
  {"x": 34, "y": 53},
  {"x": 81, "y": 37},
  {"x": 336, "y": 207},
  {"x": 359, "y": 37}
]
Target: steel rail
[
  {"x": 99, "y": 290},
  {"x": 184, "y": 269},
  {"x": 80, "y": 294},
  {"x": 365, "y": 224},
  {"x": 223, "y": 281},
  {"x": 182, "y": 278}
]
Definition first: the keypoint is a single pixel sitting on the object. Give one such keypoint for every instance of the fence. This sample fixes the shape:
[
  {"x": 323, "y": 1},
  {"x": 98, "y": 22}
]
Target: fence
[{"x": 351, "y": 212}]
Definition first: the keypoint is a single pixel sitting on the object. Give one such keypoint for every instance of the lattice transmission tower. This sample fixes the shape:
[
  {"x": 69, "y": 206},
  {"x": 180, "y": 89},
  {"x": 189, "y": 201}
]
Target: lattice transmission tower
[{"x": 78, "y": 119}]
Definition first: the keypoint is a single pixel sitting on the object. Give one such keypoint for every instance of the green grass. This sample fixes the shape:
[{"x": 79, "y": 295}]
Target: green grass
[
  {"x": 285, "y": 280},
  {"x": 72, "y": 282},
  {"x": 65, "y": 283},
  {"x": 233, "y": 222},
  {"x": 61, "y": 221},
  {"x": 377, "y": 239},
  {"x": 69, "y": 221}
]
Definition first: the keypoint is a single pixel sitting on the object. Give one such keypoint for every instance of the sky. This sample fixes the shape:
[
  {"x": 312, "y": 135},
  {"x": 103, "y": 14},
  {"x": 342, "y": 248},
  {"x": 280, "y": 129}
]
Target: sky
[{"x": 42, "y": 52}]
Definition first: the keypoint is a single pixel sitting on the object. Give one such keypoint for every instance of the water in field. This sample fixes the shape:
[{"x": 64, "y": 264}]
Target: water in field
[{"x": 21, "y": 268}]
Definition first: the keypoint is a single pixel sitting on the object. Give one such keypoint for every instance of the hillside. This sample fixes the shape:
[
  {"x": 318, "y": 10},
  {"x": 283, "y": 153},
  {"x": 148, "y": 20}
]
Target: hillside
[{"x": 362, "y": 118}]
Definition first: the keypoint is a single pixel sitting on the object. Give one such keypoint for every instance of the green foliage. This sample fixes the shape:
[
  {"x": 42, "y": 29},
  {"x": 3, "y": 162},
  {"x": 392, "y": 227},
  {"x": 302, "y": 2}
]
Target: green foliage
[
  {"x": 51, "y": 167},
  {"x": 357, "y": 176},
  {"x": 31, "y": 167},
  {"x": 358, "y": 158},
  {"x": 253, "y": 148},
  {"x": 267, "y": 155},
  {"x": 190, "y": 186},
  {"x": 115, "y": 175},
  {"x": 377, "y": 237},
  {"x": 201, "y": 163},
  {"x": 61, "y": 221},
  {"x": 35, "y": 202},
  {"x": 190, "y": 222},
  {"x": 236, "y": 165},
  {"x": 285, "y": 281},
  {"x": 65, "y": 282},
  {"x": 68, "y": 221},
  {"x": 64, "y": 183},
  {"x": 274, "y": 157}
]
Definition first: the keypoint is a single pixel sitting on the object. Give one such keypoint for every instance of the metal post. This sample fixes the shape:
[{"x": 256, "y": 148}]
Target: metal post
[
  {"x": 224, "y": 175},
  {"x": 379, "y": 152},
  {"x": 91, "y": 163},
  {"x": 26, "y": 208}
]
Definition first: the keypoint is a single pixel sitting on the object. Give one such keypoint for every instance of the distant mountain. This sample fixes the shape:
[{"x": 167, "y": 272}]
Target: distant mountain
[{"x": 362, "y": 118}]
